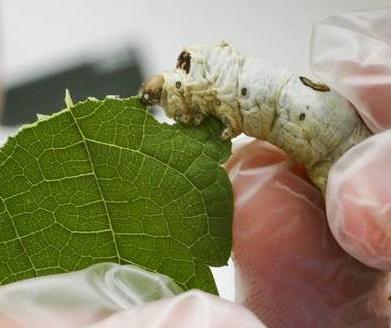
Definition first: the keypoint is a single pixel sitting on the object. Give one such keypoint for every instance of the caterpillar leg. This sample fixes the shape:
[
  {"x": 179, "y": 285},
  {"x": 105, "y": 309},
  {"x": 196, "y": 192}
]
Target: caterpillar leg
[
  {"x": 198, "y": 118},
  {"x": 183, "y": 118},
  {"x": 231, "y": 121},
  {"x": 228, "y": 133},
  {"x": 319, "y": 174}
]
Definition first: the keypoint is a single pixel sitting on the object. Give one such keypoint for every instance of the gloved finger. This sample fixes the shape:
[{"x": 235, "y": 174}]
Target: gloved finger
[
  {"x": 193, "y": 309},
  {"x": 351, "y": 53},
  {"x": 358, "y": 201},
  {"x": 381, "y": 297},
  {"x": 290, "y": 270},
  {"x": 78, "y": 298}
]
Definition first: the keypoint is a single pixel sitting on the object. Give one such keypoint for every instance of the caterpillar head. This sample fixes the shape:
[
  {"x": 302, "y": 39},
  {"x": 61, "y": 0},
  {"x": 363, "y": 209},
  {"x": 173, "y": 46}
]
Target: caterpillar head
[
  {"x": 185, "y": 92},
  {"x": 170, "y": 91}
]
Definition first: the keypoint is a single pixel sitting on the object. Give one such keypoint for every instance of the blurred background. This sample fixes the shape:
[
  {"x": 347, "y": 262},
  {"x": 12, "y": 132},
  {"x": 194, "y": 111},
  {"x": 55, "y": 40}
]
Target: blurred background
[{"x": 107, "y": 47}]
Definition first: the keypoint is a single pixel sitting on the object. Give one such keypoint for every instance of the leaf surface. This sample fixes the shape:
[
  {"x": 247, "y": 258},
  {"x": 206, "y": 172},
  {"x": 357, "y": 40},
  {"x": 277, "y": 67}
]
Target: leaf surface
[{"x": 104, "y": 181}]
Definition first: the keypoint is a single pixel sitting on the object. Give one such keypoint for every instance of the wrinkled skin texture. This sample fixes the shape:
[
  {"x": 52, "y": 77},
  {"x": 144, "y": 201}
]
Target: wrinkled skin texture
[{"x": 310, "y": 122}]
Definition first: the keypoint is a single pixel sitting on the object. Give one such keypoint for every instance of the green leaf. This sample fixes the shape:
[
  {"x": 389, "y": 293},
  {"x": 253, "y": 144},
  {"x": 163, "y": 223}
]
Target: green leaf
[{"x": 103, "y": 181}]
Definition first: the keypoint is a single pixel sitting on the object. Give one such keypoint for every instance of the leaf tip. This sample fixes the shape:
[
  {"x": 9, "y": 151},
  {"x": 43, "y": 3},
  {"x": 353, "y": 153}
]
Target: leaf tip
[{"x": 68, "y": 99}]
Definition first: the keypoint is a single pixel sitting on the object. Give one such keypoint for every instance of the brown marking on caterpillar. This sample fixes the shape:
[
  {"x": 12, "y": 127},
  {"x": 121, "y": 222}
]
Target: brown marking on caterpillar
[
  {"x": 316, "y": 86},
  {"x": 184, "y": 61}
]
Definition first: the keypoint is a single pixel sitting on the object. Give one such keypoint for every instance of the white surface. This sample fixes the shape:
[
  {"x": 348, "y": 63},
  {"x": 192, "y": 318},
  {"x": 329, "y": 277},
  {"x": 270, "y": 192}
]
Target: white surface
[{"x": 45, "y": 34}]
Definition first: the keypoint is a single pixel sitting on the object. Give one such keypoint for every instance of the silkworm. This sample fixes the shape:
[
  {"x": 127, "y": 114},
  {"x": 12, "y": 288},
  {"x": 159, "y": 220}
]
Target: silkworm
[{"x": 310, "y": 122}]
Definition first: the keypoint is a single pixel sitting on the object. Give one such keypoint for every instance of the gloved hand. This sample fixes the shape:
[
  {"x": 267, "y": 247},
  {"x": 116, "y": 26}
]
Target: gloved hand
[
  {"x": 110, "y": 295},
  {"x": 352, "y": 54},
  {"x": 291, "y": 272}
]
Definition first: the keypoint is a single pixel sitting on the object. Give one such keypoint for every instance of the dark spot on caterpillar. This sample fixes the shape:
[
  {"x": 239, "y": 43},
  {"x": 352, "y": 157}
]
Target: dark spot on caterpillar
[
  {"x": 244, "y": 91},
  {"x": 178, "y": 84},
  {"x": 184, "y": 61},
  {"x": 218, "y": 102},
  {"x": 316, "y": 86},
  {"x": 302, "y": 117},
  {"x": 307, "y": 107}
]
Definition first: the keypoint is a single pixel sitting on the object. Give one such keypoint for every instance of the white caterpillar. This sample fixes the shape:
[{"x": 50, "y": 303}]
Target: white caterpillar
[{"x": 312, "y": 123}]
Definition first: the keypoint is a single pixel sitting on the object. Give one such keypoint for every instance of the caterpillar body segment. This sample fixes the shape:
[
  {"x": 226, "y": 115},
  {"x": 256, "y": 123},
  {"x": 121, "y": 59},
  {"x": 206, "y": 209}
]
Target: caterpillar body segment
[{"x": 310, "y": 122}]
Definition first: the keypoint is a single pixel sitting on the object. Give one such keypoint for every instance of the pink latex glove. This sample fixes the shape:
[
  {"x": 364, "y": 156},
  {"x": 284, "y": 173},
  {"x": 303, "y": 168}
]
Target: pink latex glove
[
  {"x": 193, "y": 309},
  {"x": 112, "y": 295},
  {"x": 352, "y": 53},
  {"x": 291, "y": 271}
]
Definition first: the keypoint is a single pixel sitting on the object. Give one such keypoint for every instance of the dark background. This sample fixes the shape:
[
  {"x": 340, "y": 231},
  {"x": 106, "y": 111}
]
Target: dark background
[{"x": 45, "y": 94}]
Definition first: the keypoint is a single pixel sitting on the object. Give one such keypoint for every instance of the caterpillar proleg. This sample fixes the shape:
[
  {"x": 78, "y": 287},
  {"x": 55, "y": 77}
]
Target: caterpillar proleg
[{"x": 310, "y": 122}]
